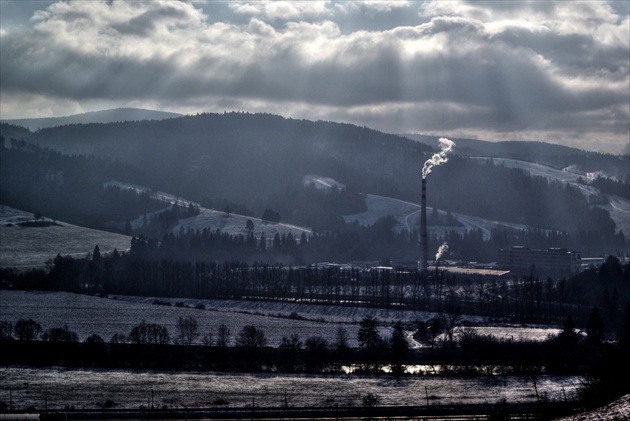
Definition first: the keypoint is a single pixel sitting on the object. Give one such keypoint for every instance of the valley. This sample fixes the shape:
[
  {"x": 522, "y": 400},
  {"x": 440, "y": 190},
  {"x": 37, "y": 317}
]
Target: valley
[{"x": 303, "y": 233}]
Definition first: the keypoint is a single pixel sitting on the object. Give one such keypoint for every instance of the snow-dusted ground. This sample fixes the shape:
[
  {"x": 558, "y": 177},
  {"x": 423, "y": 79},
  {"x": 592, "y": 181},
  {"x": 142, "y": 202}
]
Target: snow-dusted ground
[
  {"x": 408, "y": 213},
  {"x": 229, "y": 223},
  {"x": 619, "y": 207},
  {"x": 25, "y": 247},
  {"x": 615, "y": 411},
  {"x": 320, "y": 182},
  {"x": 234, "y": 224},
  {"x": 86, "y": 315},
  {"x": 131, "y": 389},
  {"x": 106, "y": 316}
]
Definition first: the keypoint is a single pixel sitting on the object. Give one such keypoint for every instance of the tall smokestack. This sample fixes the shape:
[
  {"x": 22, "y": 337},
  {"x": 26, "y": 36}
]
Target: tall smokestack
[
  {"x": 423, "y": 264},
  {"x": 437, "y": 159}
]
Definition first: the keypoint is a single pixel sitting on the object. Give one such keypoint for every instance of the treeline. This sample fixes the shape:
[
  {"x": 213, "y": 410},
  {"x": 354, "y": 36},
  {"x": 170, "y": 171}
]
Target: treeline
[
  {"x": 457, "y": 352},
  {"x": 609, "y": 186},
  {"x": 496, "y": 192},
  {"x": 70, "y": 188},
  {"x": 147, "y": 270},
  {"x": 473, "y": 246},
  {"x": 379, "y": 242},
  {"x": 320, "y": 209}
]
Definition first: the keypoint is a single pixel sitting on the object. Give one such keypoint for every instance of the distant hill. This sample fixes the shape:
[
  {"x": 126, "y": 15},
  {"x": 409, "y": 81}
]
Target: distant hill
[
  {"x": 244, "y": 158},
  {"x": 259, "y": 162},
  {"x": 557, "y": 156},
  {"x": 105, "y": 116}
]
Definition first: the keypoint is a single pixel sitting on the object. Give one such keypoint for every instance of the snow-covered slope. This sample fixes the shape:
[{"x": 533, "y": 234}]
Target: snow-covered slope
[
  {"x": 31, "y": 246},
  {"x": 408, "y": 213},
  {"x": 322, "y": 183},
  {"x": 235, "y": 224},
  {"x": 619, "y": 207},
  {"x": 229, "y": 223}
]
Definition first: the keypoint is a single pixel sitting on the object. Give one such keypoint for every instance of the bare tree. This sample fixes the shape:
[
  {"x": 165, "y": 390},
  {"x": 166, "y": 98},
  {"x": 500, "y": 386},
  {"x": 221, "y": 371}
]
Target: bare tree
[
  {"x": 291, "y": 343},
  {"x": 27, "y": 330},
  {"x": 60, "y": 334},
  {"x": 6, "y": 330},
  {"x": 251, "y": 337},
  {"x": 341, "y": 339},
  {"x": 223, "y": 336},
  {"x": 149, "y": 333},
  {"x": 187, "y": 330}
]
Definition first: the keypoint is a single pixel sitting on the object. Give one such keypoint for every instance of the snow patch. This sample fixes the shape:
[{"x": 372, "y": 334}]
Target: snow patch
[{"x": 320, "y": 182}]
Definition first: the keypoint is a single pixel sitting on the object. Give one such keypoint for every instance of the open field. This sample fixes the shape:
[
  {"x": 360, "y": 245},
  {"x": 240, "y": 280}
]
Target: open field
[
  {"x": 26, "y": 247},
  {"x": 106, "y": 316},
  {"x": 83, "y": 389}
]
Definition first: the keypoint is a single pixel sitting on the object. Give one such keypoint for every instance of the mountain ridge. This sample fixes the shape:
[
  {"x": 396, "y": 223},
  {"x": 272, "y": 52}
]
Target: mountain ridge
[{"x": 113, "y": 115}]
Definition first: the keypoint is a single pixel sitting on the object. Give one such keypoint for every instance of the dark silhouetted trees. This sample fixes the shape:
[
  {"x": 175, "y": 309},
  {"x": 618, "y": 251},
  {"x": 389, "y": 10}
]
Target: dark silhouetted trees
[
  {"x": 251, "y": 337},
  {"x": 27, "y": 330}
]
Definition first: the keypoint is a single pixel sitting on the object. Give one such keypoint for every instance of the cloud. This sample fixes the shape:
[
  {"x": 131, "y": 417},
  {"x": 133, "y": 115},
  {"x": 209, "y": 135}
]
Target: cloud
[{"x": 484, "y": 68}]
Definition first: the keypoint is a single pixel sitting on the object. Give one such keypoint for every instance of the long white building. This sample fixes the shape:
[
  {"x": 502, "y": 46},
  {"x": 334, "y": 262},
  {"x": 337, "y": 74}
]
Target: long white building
[{"x": 550, "y": 262}]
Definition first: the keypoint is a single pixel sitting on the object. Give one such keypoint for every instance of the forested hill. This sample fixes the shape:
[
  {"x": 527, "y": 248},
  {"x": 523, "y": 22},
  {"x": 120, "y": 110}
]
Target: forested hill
[
  {"x": 244, "y": 157},
  {"x": 105, "y": 116},
  {"x": 259, "y": 161},
  {"x": 557, "y": 156}
]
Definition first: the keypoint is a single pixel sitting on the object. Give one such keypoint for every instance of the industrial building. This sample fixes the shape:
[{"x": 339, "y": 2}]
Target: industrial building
[{"x": 550, "y": 262}]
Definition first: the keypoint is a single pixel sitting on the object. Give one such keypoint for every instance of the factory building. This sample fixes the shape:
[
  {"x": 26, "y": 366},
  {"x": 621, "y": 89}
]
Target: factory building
[{"x": 550, "y": 262}]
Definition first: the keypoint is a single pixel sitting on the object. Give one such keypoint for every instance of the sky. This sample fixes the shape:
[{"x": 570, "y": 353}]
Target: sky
[{"x": 553, "y": 71}]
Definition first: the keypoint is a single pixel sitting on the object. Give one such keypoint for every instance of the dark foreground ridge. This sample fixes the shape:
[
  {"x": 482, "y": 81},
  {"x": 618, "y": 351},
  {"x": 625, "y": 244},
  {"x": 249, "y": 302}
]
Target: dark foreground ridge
[{"x": 530, "y": 411}]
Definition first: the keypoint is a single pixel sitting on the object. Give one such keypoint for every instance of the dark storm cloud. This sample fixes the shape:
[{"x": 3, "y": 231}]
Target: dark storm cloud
[{"x": 484, "y": 68}]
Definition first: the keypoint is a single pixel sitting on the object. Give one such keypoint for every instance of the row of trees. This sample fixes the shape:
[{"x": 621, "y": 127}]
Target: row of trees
[
  {"x": 602, "y": 362},
  {"x": 524, "y": 299},
  {"x": 188, "y": 333}
]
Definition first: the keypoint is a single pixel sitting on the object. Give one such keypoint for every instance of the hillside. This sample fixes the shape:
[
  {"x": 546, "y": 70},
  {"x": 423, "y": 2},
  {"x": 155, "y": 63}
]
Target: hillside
[
  {"x": 228, "y": 223},
  {"x": 26, "y": 242},
  {"x": 250, "y": 163},
  {"x": 617, "y": 206},
  {"x": 243, "y": 158},
  {"x": 557, "y": 156}
]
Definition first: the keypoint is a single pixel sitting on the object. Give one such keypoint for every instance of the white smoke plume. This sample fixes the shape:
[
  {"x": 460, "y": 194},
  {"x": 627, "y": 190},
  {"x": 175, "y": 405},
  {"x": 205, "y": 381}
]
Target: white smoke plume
[
  {"x": 443, "y": 249},
  {"x": 439, "y": 158}
]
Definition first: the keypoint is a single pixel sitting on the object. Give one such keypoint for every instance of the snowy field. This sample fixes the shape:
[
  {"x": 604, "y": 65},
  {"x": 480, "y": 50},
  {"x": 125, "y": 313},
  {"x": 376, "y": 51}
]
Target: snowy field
[
  {"x": 25, "y": 247},
  {"x": 125, "y": 389},
  {"x": 89, "y": 314},
  {"x": 106, "y": 316}
]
